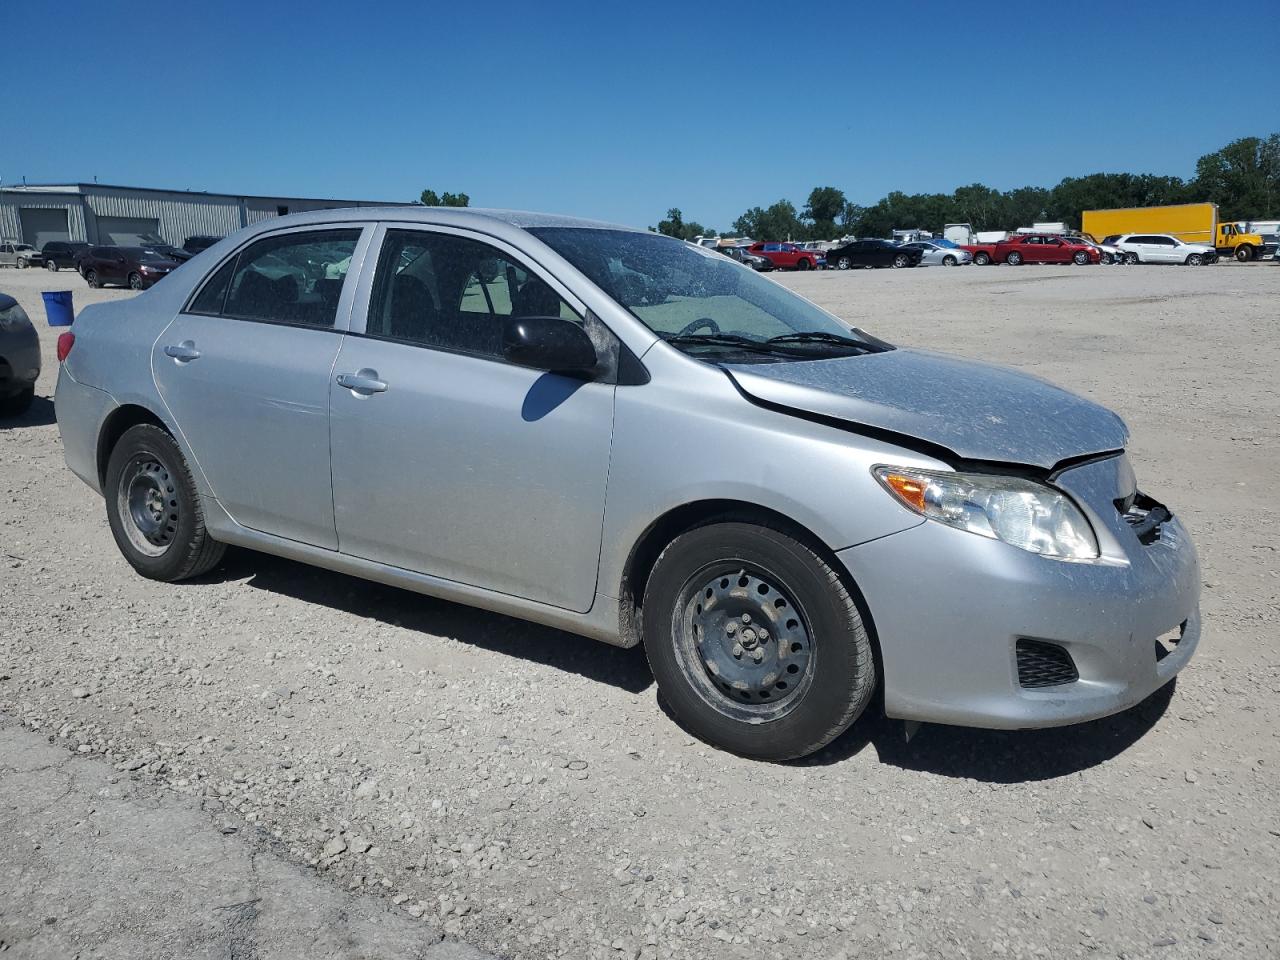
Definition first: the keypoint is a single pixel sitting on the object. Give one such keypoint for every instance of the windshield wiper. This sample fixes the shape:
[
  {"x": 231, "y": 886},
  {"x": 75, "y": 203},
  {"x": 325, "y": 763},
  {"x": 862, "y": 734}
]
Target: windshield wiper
[
  {"x": 719, "y": 340},
  {"x": 832, "y": 339}
]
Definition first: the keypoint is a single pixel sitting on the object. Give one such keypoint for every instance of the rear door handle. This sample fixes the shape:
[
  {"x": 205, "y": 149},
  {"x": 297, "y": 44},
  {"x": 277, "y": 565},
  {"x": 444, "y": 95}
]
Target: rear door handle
[
  {"x": 183, "y": 352},
  {"x": 362, "y": 381}
]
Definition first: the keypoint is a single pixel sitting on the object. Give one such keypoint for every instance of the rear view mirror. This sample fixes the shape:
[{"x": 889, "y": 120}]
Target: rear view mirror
[{"x": 548, "y": 343}]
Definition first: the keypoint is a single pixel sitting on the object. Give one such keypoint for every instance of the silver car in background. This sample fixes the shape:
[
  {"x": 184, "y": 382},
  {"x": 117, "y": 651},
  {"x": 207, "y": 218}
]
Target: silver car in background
[
  {"x": 636, "y": 439},
  {"x": 940, "y": 253}
]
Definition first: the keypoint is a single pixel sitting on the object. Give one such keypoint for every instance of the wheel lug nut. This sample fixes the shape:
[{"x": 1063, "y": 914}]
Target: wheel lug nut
[
  {"x": 757, "y": 655},
  {"x": 737, "y": 650},
  {"x": 746, "y": 618},
  {"x": 731, "y": 628}
]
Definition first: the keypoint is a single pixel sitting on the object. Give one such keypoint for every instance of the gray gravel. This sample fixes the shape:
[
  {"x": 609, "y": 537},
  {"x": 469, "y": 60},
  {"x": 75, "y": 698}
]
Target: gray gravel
[{"x": 522, "y": 790}]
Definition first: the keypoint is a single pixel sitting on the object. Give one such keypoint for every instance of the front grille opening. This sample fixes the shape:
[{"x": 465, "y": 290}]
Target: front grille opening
[
  {"x": 1042, "y": 664},
  {"x": 1167, "y": 642},
  {"x": 1145, "y": 516}
]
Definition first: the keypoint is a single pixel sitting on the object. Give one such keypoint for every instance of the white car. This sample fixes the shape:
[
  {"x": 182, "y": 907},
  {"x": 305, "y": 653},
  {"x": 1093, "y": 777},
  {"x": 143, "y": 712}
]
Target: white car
[
  {"x": 940, "y": 253},
  {"x": 1162, "y": 248}
]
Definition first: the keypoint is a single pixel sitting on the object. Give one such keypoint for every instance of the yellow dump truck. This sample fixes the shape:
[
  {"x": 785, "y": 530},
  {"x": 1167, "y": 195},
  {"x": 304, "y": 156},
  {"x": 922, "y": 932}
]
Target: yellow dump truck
[{"x": 1189, "y": 222}]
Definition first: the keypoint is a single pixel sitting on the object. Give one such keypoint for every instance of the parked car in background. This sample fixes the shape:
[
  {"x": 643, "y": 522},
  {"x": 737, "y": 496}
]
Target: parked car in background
[
  {"x": 134, "y": 267},
  {"x": 787, "y": 256},
  {"x": 19, "y": 358},
  {"x": 169, "y": 251},
  {"x": 873, "y": 253},
  {"x": 965, "y": 539},
  {"x": 62, "y": 253},
  {"x": 1044, "y": 248},
  {"x": 940, "y": 252},
  {"x": 20, "y": 255},
  {"x": 1164, "y": 248},
  {"x": 744, "y": 255},
  {"x": 1107, "y": 253},
  {"x": 194, "y": 245}
]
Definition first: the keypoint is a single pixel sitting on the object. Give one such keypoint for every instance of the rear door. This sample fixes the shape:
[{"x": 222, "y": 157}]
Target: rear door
[
  {"x": 1054, "y": 250},
  {"x": 245, "y": 367},
  {"x": 447, "y": 459}
]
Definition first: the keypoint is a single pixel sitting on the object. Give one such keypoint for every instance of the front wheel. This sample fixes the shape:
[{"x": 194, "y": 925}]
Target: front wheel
[
  {"x": 1195, "y": 260},
  {"x": 153, "y": 508},
  {"x": 756, "y": 644},
  {"x": 22, "y": 263},
  {"x": 948, "y": 261},
  {"x": 51, "y": 266},
  {"x": 91, "y": 278},
  {"x": 1131, "y": 258},
  {"x": 1014, "y": 259},
  {"x": 981, "y": 258},
  {"x": 843, "y": 263},
  {"x": 1080, "y": 258},
  {"x": 901, "y": 260},
  {"x": 803, "y": 265},
  {"x": 135, "y": 281},
  {"x": 1244, "y": 253}
]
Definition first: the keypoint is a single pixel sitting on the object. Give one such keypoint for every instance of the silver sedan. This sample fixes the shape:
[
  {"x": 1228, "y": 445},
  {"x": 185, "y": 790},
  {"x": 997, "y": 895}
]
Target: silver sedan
[
  {"x": 636, "y": 439},
  {"x": 940, "y": 253}
]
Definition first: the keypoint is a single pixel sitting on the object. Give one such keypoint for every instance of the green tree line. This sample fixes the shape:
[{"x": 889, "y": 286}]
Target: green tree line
[{"x": 1243, "y": 179}]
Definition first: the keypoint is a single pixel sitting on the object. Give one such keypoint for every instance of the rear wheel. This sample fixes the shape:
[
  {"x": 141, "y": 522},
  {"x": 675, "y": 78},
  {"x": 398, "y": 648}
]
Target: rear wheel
[
  {"x": 1131, "y": 258},
  {"x": 756, "y": 644},
  {"x": 1014, "y": 259},
  {"x": 18, "y": 404},
  {"x": 91, "y": 278},
  {"x": 981, "y": 258},
  {"x": 51, "y": 266},
  {"x": 843, "y": 263},
  {"x": 1244, "y": 253},
  {"x": 154, "y": 510}
]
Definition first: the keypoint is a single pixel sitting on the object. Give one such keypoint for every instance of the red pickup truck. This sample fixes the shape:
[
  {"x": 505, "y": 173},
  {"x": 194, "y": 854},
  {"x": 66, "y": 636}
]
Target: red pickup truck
[{"x": 1033, "y": 248}]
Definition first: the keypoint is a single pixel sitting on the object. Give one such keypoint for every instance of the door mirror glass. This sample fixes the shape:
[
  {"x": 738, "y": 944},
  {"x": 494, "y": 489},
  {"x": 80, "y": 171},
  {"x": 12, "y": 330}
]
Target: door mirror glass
[{"x": 548, "y": 343}]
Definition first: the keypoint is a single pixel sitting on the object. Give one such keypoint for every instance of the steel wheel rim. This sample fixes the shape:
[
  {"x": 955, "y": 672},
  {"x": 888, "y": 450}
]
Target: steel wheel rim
[
  {"x": 147, "y": 502},
  {"x": 755, "y": 669}
]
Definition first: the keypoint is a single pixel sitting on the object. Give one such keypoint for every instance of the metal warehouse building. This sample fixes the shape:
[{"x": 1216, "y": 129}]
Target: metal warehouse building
[{"x": 98, "y": 213}]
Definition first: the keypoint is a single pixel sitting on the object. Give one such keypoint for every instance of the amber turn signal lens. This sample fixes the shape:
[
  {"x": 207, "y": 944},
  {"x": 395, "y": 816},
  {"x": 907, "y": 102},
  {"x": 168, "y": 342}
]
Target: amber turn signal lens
[{"x": 909, "y": 490}]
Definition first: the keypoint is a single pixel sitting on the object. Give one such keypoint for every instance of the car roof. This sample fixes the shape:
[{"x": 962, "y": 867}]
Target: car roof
[{"x": 453, "y": 216}]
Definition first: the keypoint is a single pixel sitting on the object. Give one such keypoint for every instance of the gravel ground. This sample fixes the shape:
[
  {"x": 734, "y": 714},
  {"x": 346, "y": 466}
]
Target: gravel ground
[{"x": 522, "y": 790}]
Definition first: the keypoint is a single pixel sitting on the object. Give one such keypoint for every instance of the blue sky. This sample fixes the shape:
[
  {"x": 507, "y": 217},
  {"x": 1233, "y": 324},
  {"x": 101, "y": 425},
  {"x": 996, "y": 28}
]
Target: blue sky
[{"x": 621, "y": 111}]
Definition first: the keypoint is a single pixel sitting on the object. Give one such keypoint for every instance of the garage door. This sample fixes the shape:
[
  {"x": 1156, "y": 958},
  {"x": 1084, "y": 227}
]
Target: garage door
[
  {"x": 42, "y": 224},
  {"x": 126, "y": 231}
]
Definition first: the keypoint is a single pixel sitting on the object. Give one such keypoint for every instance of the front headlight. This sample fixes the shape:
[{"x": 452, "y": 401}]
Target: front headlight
[
  {"x": 15, "y": 318},
  {"x": 1020, "y": 512}
]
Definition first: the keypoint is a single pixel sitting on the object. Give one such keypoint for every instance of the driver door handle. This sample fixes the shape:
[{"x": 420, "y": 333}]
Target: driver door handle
[
  {"x": 363, "y": 381},
  {"x": 182, "y": 352}
]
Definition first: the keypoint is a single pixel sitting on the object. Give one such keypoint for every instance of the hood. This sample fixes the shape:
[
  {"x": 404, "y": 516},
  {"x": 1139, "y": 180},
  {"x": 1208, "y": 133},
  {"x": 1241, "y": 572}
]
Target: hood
[{"x": 976, "y": 411}]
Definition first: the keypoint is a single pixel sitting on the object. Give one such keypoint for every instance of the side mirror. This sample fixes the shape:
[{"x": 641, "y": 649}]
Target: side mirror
[{"x": 548, "y": 343}]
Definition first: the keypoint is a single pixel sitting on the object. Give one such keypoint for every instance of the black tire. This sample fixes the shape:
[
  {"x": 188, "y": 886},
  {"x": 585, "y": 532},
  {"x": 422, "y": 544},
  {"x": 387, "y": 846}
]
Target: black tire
[
  {"x": 135, "y": 281},
  {"x": 1194, "y": 260},
  {"x": 1014, "y": 259},
  {"x": 1080, "y": 258},
  {"x": 91, "y": 278},
  {"x": 901, "y": 260},
  {"x": 803, "y": 265},
  {"x": 1131, "y": 258},
  {"x": 949, "y": 261},
  {"x": 147, "y": 461},
  {"x": 51, "y": 266},
  {"x": 982, "y": 258},
  {"x": 811, "y": 618},
  {"x": 1244, "y": 253},
  {"x": 18, "y": 404}
]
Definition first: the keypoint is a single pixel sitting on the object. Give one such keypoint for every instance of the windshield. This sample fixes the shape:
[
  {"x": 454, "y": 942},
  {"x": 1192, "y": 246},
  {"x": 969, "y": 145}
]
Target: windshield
[
  {"x": 679, "y": 290},
  {"x": 944, "y": 242}
]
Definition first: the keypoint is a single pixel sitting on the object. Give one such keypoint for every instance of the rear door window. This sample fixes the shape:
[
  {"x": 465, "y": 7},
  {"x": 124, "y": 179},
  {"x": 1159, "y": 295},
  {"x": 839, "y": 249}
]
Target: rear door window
[{"x": 293, "y": 278}]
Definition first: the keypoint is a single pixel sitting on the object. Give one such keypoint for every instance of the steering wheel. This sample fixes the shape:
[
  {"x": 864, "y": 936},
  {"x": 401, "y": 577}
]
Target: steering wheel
[{"x": 700, "y": 322}]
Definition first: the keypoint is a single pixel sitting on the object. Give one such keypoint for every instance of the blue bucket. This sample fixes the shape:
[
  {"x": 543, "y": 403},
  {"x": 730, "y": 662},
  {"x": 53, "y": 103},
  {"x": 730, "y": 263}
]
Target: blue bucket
[{"x": 57, "y": 307}]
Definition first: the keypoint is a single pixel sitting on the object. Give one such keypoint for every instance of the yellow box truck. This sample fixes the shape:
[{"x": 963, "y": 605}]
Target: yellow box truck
[{"x": 1189, "y": 222}]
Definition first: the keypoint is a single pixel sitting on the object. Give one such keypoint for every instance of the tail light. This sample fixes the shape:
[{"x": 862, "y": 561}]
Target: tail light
[{"x": 65, "y": 342}]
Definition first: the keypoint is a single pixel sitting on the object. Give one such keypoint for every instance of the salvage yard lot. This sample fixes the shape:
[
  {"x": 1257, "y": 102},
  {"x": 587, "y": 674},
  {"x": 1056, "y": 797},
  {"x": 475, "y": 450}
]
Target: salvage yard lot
[{"x": 521, "y": 789}]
